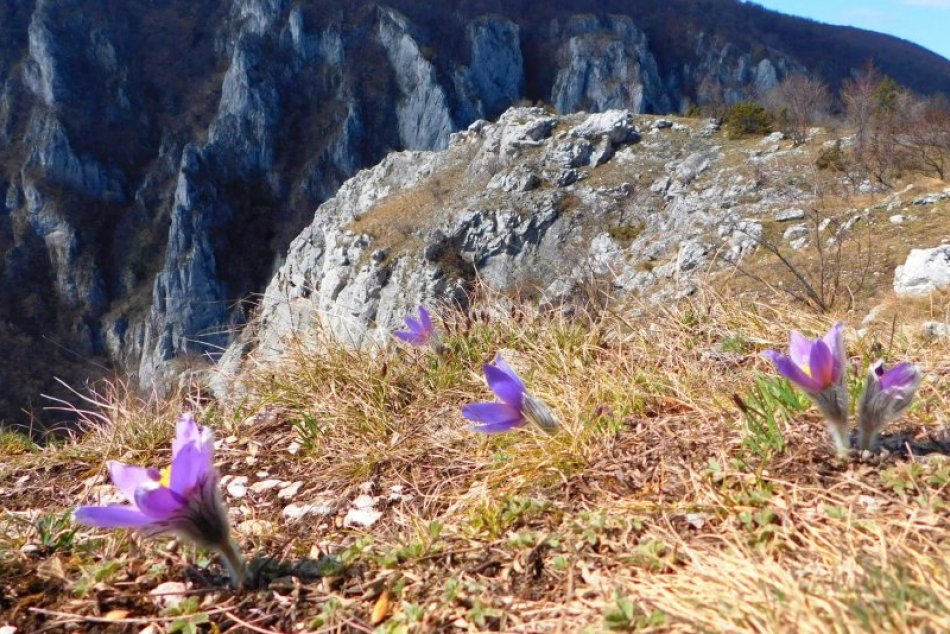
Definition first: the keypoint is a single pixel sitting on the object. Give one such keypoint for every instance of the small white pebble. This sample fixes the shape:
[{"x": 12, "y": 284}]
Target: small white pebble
[
  {"x": 871, "y": 504},
  {"x": 237, "y": 488},
  {"x": 170, "y": 594},
  {"x": 265, "y": 485},
  {"x": 298, "y": 511},
  {"x": 696, "y": 520},
  {"x": 361, "y": 517},
  {"x": 364, "y": 502},
  {"x": 289, "y": 490}
]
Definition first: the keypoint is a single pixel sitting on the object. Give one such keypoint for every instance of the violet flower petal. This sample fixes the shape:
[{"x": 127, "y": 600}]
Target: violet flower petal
[
  {"x": 188, "y": 468},
  {"x": 497, "y": 428},
  {"x": 790, "y": 370},
  {"x": 502, "y": 365},
  {"x": 128, "y": 478},
  {"x": 799, "y": 349},
  {"x": 493, "y": 413},
  {"x": 112, "y": 516},
  {"x": 506, "y": 385},
  {"x": 412, "y": 338},
  {"x": 821, "y": 365},
  {"x": 159, "y": 502},
  {"x": 834, "y": 339},
  {"x": 425, "y": 319},
  {"x": 186, "y": 432},
  {"x": 900, "y": 376},
  {"x": 413, "y": 325}
]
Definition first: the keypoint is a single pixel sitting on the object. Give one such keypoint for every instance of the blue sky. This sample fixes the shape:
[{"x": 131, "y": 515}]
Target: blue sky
[{"x": 924, "y": 22}]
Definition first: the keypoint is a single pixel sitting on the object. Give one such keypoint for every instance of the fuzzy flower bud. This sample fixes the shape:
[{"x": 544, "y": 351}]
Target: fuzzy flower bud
[{"x": 887, "y": 395}]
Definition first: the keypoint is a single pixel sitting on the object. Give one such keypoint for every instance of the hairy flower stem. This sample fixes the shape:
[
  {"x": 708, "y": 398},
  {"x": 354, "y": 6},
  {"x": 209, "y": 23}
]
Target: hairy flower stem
[
  {"x": 234, "y": 562},
  {"x": 838, "y": 430},
  {"x": 866, "y": 438}
]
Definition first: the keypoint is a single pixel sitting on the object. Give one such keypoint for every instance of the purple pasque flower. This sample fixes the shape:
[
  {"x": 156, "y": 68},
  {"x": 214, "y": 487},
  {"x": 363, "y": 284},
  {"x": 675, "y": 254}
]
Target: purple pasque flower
[
  {"x": 887, "y": 395},
  {"x": 818, "y": 367},
  {"x": 420, "y": 332},
  {"x": 517, "y": 406},
  {"x": 182, "y": 499}
]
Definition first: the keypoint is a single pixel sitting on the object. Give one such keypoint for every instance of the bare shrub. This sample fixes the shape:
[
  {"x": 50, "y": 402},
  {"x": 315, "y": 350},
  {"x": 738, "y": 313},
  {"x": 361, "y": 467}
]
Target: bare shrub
[
  {"x": 839, "y": 267},
  {"x": 877, "y": 108},
  {"x": 798, "y": 103},
  {"x": 924, "y": 138}
]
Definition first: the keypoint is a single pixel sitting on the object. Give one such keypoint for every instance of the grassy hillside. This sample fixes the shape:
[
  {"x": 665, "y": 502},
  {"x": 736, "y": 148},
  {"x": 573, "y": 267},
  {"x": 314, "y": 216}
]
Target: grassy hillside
[{"x": 661, "y": 506}]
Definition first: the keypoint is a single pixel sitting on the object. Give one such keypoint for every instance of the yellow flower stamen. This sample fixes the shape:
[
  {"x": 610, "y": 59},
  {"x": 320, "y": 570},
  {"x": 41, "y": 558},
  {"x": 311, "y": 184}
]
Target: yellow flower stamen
[{"x": 166, "y": 479}]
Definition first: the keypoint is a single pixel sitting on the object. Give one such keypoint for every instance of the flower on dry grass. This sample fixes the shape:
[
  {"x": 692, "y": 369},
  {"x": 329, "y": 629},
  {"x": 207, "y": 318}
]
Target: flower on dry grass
[
  {"x": 887, "y": 395},
  {"x": 420, "y": 332},
  {"x": 516, "y": 408},
  {"x": 182, "y": 499},
  {"x": 818, "y": 367}
]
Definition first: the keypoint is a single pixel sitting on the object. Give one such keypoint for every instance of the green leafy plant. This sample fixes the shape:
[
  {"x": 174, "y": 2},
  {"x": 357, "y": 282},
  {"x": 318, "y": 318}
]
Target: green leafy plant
[
  {"x": 495, "y": 518},
  {"x": 192, "y": 617},
  {"x": 765, "y": 408},
  {"x": 747, "y": 118},
  {"x": 56, "y": 531},
  {"x": 309, "y": 431},
  {"x": 626, "y": 616}
]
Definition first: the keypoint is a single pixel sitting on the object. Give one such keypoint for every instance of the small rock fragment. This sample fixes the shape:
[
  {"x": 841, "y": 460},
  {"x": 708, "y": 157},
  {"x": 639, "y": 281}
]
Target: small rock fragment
[
  {"x": 289, "y": 491},
  {"x": 169, "y": 595},
  {"x": 237, "y": 488},
  {"x": 364, "y": 502},
  {"x": 790, "y": 214},
  {"x": 298, "y": 511},
  {"x": 361, "y": 517},
  {"x": 265, "y": 485},
  {"x": 935, "y": 329}
]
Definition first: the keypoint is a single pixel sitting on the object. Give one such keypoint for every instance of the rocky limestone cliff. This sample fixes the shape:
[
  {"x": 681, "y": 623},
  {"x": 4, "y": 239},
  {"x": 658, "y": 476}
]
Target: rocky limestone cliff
[
  {"x": 157, "y": 159},
  {"x": 552, "y": 206}
]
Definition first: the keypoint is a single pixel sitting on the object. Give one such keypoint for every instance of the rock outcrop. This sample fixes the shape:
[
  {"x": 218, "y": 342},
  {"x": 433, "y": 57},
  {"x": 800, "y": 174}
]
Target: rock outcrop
[
  {"x": 924, "y": 272},
  {"x": 551, "y": 206}
]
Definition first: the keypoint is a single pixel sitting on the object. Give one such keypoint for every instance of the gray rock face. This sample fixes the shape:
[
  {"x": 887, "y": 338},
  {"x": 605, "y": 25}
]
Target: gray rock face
[
  {"x": 468, "y": 212},
  {"x": 495, "y": 77},
  {"x": 606, "y": 64},
  {"x": 423, "y": 108},
  {"x": 924, "y": 272},
  {"x": 723, "y": 73}
]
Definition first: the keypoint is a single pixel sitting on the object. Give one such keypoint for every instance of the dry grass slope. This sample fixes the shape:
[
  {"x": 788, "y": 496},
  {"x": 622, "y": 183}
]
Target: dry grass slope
[{"x": 661, "y": 507}]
